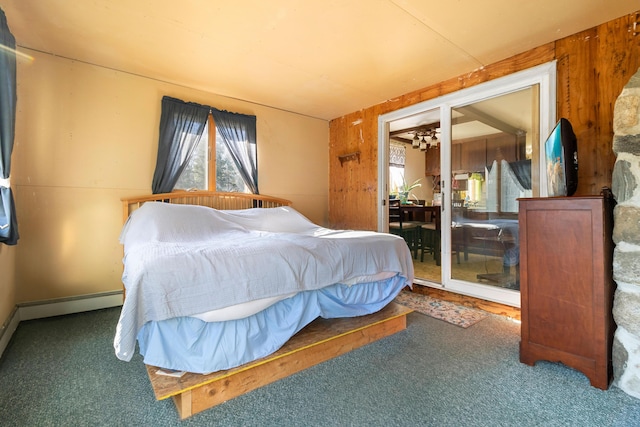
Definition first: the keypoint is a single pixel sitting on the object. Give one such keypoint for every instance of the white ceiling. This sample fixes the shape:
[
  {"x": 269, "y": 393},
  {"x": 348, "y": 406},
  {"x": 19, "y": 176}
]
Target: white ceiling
[{"x": 320, "y": 58}]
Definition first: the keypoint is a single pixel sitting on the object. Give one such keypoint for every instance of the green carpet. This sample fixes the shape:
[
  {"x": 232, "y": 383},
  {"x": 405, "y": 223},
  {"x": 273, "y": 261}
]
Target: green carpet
[{"x": 62, "y": 371}]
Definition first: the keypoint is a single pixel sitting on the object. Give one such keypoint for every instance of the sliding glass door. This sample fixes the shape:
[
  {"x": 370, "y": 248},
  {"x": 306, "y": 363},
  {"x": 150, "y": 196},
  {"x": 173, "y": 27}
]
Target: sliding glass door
[
  {"x": 491, "y": 167},
  {"x": 482, "y": 154}
]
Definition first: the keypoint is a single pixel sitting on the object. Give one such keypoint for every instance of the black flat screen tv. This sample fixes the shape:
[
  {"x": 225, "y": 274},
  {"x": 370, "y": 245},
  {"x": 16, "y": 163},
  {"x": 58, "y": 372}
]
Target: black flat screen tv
[{"x": 561, "y": 154}]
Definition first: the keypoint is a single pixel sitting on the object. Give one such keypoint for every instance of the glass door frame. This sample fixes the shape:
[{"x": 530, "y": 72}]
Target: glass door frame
[{"x": 542, "y": 75}]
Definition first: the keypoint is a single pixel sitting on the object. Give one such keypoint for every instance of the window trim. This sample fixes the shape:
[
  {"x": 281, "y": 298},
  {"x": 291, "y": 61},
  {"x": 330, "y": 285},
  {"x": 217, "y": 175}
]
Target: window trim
[{"x": 211, "y": 159}]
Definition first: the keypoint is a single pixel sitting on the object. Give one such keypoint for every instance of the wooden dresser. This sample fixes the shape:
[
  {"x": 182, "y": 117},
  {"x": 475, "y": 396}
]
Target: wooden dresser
[{"x": 566, "y": 283}]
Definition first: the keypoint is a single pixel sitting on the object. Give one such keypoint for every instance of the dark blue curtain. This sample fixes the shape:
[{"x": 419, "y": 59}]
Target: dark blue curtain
[
  {"x": 8, "y": 222},
  {"x": 522, "y": 170},
  {"x": 238, "y": 132},
  {"x": 181, "y": 127}
]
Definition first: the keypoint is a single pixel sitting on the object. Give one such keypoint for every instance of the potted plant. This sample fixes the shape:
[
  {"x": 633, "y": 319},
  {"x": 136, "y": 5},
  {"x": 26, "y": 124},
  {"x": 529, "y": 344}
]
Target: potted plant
[{"x": 404, "y": 191}]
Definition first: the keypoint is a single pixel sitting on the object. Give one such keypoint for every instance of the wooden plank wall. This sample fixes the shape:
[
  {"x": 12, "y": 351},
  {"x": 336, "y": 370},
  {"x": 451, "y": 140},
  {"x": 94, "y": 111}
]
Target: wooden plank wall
[{"x": 593, "y": 67}]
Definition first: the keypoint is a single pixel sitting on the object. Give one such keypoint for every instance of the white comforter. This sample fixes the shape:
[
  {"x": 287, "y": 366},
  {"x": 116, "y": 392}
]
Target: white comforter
[{"x": 182, "y": 260}]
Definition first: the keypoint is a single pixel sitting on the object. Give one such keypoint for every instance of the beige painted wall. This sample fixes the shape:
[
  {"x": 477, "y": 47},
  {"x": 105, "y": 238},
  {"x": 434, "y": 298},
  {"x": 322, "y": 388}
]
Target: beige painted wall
[
  {"x": 414, "y": 169},
  {"x": 87, "y": 136},
  {"x": 7, "y": 281}
]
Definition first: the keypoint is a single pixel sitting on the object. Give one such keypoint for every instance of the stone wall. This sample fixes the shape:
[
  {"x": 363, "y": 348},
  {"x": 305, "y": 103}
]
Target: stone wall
[{"x": 626, "y": 236}]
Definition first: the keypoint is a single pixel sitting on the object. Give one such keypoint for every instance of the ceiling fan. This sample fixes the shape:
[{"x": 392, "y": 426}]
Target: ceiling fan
[{"x": 424, "y": 139}]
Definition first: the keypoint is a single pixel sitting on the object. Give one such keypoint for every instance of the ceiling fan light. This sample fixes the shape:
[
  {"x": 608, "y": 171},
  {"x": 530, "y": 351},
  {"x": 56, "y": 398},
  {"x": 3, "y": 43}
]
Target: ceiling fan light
[
  {"x": 434, "y": 140},
  {"x": 416, "y": 142},
  {"x": 423, "y": 144}
]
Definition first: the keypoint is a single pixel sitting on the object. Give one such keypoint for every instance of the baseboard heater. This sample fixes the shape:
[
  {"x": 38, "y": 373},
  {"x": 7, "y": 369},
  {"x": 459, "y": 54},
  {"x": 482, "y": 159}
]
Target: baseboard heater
[{"x": 55, "y": 307}]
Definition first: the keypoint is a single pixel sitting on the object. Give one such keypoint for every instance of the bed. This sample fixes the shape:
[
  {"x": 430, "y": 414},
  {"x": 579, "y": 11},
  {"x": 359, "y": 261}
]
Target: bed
[{"x": 217, "y": 281}]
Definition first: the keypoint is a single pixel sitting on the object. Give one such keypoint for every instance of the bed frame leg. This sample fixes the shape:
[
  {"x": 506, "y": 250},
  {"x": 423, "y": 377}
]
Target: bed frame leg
[{"x": 183, "y": 404}]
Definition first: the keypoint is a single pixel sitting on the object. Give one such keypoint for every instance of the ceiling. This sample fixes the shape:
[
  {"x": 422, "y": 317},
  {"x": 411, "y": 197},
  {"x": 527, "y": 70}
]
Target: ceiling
[{"x": 319, "y": 58}]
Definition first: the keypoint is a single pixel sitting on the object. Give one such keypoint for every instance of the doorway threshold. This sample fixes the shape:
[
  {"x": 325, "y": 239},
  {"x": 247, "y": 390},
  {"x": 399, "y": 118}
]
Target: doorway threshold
[{"x": 436, "y": 290}]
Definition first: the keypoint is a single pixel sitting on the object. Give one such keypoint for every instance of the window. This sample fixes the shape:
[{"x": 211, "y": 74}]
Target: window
[
  {"x": 397, "y": 157},
  {"x": 203, "y": 174},
  {"x": 186, "y": 127}
]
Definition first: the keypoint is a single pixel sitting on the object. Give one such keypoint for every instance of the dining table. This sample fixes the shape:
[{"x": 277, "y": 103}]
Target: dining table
[{"x": 417, "y": 212}]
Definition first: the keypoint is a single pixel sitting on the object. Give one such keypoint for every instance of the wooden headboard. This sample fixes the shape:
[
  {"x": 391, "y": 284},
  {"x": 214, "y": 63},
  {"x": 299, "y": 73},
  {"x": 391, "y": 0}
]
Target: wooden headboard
[{"x": 212, "y": 199}]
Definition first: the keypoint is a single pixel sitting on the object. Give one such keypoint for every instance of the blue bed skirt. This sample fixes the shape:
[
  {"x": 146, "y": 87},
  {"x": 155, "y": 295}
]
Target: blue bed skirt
[{"x": 192, "y": 345}]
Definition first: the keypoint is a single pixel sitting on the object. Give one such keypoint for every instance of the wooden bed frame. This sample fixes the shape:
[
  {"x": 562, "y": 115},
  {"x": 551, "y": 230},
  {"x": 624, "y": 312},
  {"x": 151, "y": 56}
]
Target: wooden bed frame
[
  {"x": 221, "y": 201},
  {"x": 319, "y": 341}
]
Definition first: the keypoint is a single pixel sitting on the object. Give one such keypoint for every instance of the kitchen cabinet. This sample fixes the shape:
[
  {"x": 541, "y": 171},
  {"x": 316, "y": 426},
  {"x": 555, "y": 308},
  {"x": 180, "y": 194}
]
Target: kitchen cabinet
[
  {"x": 505, "y": 146},
  {"x": 474, "y": 154},
  {"x": 432, "y": 161}
]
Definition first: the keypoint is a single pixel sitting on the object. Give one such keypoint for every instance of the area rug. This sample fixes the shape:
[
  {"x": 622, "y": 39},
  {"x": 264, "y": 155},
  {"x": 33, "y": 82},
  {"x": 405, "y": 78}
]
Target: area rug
[{"x": 443, "y": 310}]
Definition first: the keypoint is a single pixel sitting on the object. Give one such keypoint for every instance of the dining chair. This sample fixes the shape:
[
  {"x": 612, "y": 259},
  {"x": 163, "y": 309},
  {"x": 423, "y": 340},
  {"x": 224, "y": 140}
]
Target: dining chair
[
  {"x": 430, "y": 240},
  {"x": 408, "y": 230}
]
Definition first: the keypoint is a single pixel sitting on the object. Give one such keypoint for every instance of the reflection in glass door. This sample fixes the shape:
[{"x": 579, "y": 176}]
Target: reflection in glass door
[{"x": 492, "y": 161}]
